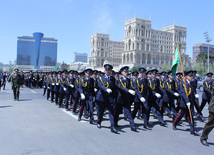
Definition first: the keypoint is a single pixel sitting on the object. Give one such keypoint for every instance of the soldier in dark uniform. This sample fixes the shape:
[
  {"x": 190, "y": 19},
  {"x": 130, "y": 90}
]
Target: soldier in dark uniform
[
  {"x": 170, "y": 94},
  {"x": 77, "y": 91},
  {"x": 62, "y": 88},
  {"x": 210, "y": 124},
  {"x": 16, "y": 83},
  {"x": 123, "y": 98},
  {"x": 87, "y": 95},
  {"x": 154, "y": 94},
  {"x": 57, "y": 86},
  {"x": 70, "y": 90},
  {"x": 49, "y": 83},
  {"x": 186, "y": 102},
  {"x": 30, "y": 84},
  {"x": 44, "y": 83},
  {"x": 196, "y": 100},
  {"x": 96, "y": 88},
  {"x": 207, "y": 94},
  {"x": 4, "y": 80},
  {"x": 177, "y": 88},
  {"x": 141, "y": 89},
  {"x": 106, "y": 95}
]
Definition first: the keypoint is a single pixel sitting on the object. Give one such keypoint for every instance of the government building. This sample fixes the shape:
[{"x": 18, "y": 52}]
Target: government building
[
  {"x": 141, "y": 46},
  {"x": 36, "y": 52}
]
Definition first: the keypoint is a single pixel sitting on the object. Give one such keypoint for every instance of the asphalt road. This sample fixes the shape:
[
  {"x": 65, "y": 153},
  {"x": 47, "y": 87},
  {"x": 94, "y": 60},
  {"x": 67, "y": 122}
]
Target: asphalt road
[{"x": 36, "y": 126}]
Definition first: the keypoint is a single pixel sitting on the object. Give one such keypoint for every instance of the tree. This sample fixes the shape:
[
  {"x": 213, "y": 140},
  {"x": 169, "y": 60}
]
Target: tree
[
  {"x": 10, "y": 69},
  {"x": 165, "y": 67},
  {"x": 1, "y": 70},
  {"x": 202, "y": 58},
  {"x": 135, "y": 68},
  {"x": 64, "y": 66}
]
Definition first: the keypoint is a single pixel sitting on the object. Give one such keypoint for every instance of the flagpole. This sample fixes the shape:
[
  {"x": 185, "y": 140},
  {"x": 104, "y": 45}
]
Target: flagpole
[{"x": 185, "y": 86}]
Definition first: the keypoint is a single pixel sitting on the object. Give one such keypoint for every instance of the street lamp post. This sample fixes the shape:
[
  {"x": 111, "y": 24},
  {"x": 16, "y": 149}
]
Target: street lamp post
[{"x": 208, "y": 39}]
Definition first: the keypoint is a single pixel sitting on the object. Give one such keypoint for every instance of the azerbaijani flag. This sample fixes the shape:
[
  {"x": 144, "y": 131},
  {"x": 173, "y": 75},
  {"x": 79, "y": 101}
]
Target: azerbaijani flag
[
  {"x": 55, "y": 68},
  {"x": 175, "y": 61}
]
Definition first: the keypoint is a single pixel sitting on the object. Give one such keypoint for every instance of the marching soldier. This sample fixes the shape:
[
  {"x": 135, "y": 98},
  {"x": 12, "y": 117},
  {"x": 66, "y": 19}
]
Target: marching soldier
[
  {"x": 207, "y": 94},
  {"x": 57, "y": 86},
  {"x": 186, "y": 102},
  {"x": 16, "y": 83},
  {"x": 210, "y": 124},
  {"x": 170, "y": 94},
  {"x": 123, "y": 98},
  {"x": 105, "y": 96},
  {"x": 70, "y": 89},
  {"x": 62, "y": 88},
  {"x": 87, "y": 95},
  {"x": 141, "y": 89}
]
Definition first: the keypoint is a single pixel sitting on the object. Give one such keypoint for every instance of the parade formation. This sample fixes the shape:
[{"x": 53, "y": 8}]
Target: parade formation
[{"x": 91, "y": 92}]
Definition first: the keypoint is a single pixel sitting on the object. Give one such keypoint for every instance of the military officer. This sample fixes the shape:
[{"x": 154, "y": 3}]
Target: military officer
[
  {"x": 207, "y": 94},
  {"x": 186, "y": 103},
  {"x": 16, "y": 83},
  {"x": 57, "y": 86},
  {"x": 62, "y": 88},
  {"x": 87, "y": 95},
  {"x": 70, "y": 89},
  {"x": 106, "y": 95},
  {"x": 123, "y": 98},
  {"x": 210, "y": 124}
]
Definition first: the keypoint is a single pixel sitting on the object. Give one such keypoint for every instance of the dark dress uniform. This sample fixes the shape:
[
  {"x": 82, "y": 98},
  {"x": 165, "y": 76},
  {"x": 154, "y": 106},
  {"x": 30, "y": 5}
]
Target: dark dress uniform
[
  {"x": 141, "y": 89},
  {"x": 169, "y": 96},
  {"x": 106, "y": 97},
  {"x": 207, "y": 94},
  {"x": 210, "y": 124},
  {"x": 123, "y": 100},
  {"x": 87, "y": 88},
  {"x": 69, "y": 91},
  {"x": 186, "y": 98},
  {"x": 16, "y": 83},
  {"x": 76, "y": 94},
  {"x": 56, "y": 88},
  {"x": 154, "y": 90},
  {"x": 62, "y": 90}
]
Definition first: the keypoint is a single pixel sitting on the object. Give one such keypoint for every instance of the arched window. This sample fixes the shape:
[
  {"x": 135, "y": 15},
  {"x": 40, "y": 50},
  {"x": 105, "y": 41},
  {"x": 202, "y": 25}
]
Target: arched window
[
  {"x": 138, "y": 58},
  {"x": 147, "y": 47},
  {"x": 157, "y": 62},
  {"x": 131, "y": 58},
  {"x": 162, "y": 59},
  {"x": 129, "y": 44},
  {"x": 143, "y": 58}
]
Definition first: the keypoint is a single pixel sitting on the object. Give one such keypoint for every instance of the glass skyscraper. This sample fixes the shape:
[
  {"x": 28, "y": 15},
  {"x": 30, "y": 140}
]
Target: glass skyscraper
[{"x": 36, "y": 52}]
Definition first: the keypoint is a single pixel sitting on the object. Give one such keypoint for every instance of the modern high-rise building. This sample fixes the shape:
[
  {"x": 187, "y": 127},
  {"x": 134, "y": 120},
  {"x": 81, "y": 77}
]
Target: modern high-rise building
[
  {"x": 197, "y": 48},
  {"x": 80, "y": 57},
  {"x": 36, "y": 52},
  {"x": 104, "y": 50}
]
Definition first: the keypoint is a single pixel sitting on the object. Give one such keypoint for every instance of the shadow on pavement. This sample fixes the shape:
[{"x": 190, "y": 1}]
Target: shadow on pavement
[
  {"x": 6, "y": 106},
  {"x": 25, "y": 99}
]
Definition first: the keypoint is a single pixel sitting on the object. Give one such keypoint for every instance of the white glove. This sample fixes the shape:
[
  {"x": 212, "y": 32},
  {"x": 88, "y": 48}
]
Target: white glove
[
  {"x": 95, "y": 90},
  {"x": 82, "y": 96},
  {"x": 48, "y": 87},
  {"x": 188, "y": 105},
  {"x": 196, "y": 96},
  {"x": 57, "y": 83},
  {"x": 142, "y": 99},
  {"x": 93, "y": 99},
  {"x": 72, "y": 86},
  {"x": 176, "y": 94},
  {"x": 53, "y": 84},
  {"x": 64, "y": 89},
  {"x": 157, "y": 95},
  {"x": 109, "y": 90},
  {"x": 43, "y": 86},
  {"x": 131, "y": 92}
]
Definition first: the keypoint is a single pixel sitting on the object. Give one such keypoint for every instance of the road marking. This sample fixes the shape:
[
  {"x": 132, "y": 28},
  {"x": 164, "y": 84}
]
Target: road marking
[
  {"x": 72, "y": 115},
  {"x": 33, "y": 91}
]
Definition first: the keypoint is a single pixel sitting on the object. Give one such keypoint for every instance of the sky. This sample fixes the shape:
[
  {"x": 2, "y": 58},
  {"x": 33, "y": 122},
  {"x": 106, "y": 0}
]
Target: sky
[{"x": 72, "y": 22}]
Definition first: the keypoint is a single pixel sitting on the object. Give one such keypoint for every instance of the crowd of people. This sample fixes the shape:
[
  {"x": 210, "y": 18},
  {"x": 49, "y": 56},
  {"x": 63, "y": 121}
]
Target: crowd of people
[{"x": 150, "y": 91}]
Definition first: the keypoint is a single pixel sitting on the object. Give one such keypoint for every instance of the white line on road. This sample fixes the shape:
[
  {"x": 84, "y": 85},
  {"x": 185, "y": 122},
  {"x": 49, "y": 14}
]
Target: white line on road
[
  {"x": 72, "y": 115},
  {"x": 33, "y": 91}
]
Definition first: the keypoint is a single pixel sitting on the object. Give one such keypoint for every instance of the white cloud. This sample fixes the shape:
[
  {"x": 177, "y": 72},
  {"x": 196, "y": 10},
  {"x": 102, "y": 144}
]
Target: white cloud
[{"x": 104, "y": 20}]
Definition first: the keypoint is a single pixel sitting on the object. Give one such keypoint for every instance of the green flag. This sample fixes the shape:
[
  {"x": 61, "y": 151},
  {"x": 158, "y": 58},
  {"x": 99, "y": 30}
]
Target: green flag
[
  {"x": 34, "y": 70},
  {"x": 175, "y": 61},
  {"x": 55, "y": 68}
]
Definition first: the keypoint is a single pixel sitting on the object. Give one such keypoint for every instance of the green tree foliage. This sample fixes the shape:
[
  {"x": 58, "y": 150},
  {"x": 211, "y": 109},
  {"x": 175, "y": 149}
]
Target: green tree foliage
[
  {"x": 64, "y": 66},
  {"x": 1, "y": 70},
  {"x": 135, "y": 68}
]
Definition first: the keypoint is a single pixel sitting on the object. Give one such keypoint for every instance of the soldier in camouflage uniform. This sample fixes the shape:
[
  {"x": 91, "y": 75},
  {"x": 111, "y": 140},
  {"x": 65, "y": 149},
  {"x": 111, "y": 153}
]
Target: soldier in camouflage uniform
[{"x": 16, "y": 83}]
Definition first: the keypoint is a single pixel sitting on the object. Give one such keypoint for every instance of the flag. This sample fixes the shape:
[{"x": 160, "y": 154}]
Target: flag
[
  {"x": 55, "y": 68},
  {"x": 34, "y": 70},
  {"x": 175, "y": 61}
]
